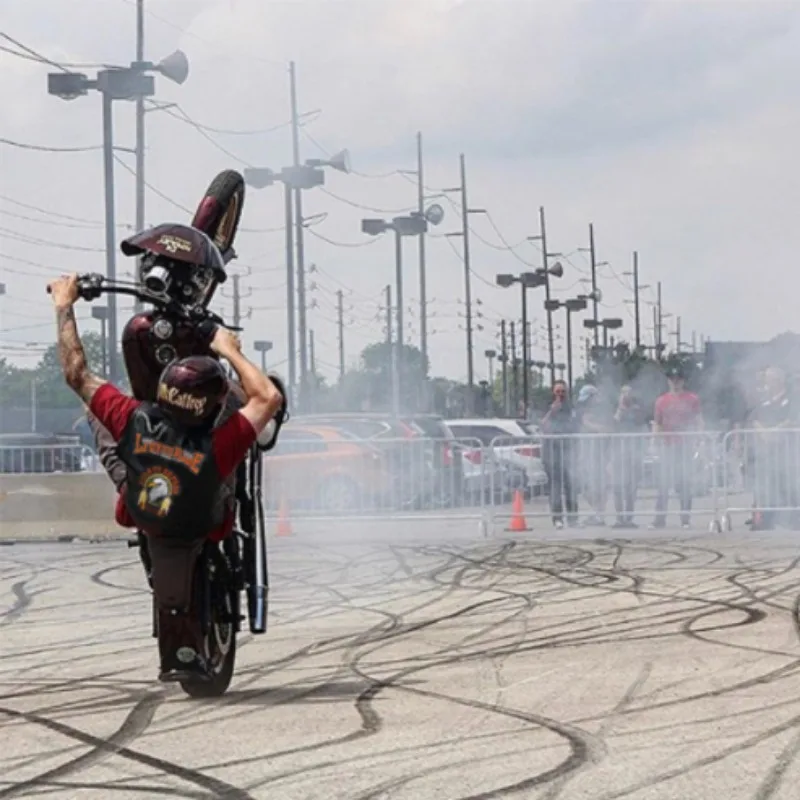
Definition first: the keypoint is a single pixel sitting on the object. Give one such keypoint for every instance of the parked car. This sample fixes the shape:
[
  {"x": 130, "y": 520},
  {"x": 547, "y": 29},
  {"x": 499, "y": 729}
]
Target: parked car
[
  {"x": 40, "y": 453},
  {"x": 492, "y": 478},
  {"x": 324, "y": 469},
  {"x": 517, "y": 446},
  {"x": 421, "y": 447}
]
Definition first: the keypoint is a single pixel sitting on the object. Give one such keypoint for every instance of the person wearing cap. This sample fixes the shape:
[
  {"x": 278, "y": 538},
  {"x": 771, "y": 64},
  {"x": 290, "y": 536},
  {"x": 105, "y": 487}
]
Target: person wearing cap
[
  {"x": 677, "y": 413},
  {"x": 559, "y": 426}
]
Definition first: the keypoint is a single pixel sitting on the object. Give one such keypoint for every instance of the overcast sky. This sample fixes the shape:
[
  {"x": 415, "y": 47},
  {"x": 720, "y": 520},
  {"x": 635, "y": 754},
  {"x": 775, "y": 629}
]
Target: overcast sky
[{"x": 672, "y": 126}]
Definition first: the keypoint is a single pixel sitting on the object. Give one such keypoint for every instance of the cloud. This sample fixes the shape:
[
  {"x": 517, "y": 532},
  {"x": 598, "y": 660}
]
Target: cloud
[{"x": 670, "y": 126}]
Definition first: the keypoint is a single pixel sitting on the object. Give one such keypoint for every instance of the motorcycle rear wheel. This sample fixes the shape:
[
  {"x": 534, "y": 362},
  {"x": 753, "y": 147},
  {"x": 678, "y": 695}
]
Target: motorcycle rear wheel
[
  {"x": 219, "y": 212},
  {"x": 219, "y": 642}
]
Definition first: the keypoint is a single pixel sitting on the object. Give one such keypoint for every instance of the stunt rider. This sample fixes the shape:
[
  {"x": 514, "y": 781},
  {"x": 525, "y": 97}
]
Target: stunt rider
[{"x": 170, "y": 462}]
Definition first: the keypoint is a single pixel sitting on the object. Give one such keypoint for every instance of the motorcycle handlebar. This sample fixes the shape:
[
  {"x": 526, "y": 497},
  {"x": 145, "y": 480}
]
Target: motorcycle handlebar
[{"x": 91, "y": 285}]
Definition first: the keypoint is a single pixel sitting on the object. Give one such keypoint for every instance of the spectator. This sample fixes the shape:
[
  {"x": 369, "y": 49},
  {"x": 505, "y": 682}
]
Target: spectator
[
  {"x": 627, "y": 456},
  {"x": 558, "y": 424},
  {"x": 677, "y": 413},
  {"x": 594, "y": 418},
  {"x": 775, "y": 454}
]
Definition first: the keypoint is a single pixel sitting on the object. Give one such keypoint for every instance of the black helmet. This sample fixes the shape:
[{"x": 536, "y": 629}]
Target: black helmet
[{"x": 192, "y": 390}]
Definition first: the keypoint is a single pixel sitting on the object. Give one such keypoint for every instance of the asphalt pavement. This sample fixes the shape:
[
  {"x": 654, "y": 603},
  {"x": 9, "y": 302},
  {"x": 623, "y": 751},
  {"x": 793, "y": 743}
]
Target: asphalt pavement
[{"x": 420, "y": 662}]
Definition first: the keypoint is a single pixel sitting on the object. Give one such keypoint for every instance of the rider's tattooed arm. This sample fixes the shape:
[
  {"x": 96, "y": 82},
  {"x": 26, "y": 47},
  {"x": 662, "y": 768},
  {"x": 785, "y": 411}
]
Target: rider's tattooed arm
[{"x": 73, "y": 358}]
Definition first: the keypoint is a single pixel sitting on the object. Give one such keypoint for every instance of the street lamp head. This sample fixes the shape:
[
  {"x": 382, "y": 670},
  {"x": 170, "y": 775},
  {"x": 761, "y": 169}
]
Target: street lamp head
[
  {"x": 557, "y": 270},
  {"x": 373, "y": 227},
  {"x": 505, "y": 280},
  {"x": 612, "y": 324},
  {"x": 100, "y": 312},
  {"x": 68, "y": 85},
  {"x": 552, "y": 305},
  {"x": 175, "y": 67},
  {"x": 434, "y": 214},
  {"x": 262, "y": 346},
  {"x": 259, "y": 177},
  {"x": 577, "y": 304},
  {"x": 530, "y": 280},
  {"x": 590, "y": 323},
  {"x": 490, "y": 353}
]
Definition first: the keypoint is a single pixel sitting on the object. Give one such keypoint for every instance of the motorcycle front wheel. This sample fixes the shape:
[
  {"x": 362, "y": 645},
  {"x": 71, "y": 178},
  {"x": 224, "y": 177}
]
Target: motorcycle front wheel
[
  {"x": 219, "y": 641},
  {"x": 219, "y": 212}
]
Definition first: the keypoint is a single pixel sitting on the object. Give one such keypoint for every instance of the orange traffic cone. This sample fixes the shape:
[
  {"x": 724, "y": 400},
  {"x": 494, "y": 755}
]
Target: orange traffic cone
[
  {"x": 518, "y": 522},
  {"x": 284, "y": 523}
]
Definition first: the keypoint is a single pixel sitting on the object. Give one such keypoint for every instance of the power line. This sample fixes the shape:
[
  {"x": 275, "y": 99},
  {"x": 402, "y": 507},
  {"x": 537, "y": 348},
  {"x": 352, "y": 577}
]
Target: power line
[
  {"x": 12, "y": 234},
  {"x": 367, "y": 208},
  {"x": 48, "y": 149},
  {"x": 365, "y": 243},
  {"x": 49, "y": 213},
  {"x": 30, "y": 54}
]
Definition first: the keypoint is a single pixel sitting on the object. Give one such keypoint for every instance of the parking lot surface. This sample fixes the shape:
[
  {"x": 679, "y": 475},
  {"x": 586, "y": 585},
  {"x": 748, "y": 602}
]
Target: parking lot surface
[{"x": 420, "y": 663}]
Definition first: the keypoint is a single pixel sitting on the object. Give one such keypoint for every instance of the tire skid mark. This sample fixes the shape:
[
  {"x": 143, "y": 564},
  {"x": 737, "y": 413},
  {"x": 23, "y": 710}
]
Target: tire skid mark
[
  {"x": 699, "y": 763},
  {"x": 135, "y": 724},
  {"x": 218, "y": 787}
]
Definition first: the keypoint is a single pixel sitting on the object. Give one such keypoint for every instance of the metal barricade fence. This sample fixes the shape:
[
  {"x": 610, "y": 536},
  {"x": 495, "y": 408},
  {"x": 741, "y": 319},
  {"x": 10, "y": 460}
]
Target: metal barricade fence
[
  {"x": 309, "y": 476},
  {"x": 38, "y": 459},
  {"x": 593, "y": 479},
  {"x": 761, "y": 478}
]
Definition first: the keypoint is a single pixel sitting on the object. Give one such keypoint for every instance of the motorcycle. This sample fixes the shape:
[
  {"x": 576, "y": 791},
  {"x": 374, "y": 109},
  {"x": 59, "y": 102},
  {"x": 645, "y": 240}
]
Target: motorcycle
[{"x": 192, "y": 577}]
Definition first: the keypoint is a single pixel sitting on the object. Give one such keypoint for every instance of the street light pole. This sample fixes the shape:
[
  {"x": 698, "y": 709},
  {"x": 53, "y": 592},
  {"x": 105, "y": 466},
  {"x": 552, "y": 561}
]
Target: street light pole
[
  {"x": 110, "y": 225},
  {"x": 139, "y": 221},
  {"x": 398, "y": 278},
  {"x": 550, "y": 339},
  {"x": 290, "y": 291},
  {"x": 524, "y": 289},
  {"x": 593, "y": 256},
  {"x": 514, "y": 369},
  {"x": 423, "y": 290},
  {"x": 467, "y": 277},
  {"x": 504, "y": 362},
  {"x": 636, "y": 298},
  {"x": 298, "y": 221}
]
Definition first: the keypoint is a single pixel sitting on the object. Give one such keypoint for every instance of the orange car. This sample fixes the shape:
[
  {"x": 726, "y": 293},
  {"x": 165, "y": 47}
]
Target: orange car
[{"x": 322, "y": 469}]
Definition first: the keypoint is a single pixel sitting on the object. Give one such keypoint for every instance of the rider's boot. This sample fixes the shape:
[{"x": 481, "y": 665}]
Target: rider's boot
[{"x": 180, "y": 634}]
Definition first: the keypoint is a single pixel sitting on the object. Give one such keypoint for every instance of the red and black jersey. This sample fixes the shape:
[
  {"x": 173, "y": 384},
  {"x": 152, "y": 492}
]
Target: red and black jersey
[{"x": 174, "y": 475}]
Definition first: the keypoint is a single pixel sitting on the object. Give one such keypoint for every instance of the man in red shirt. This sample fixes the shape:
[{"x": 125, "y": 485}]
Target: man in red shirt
[
  {"x": 677, "y": 412},
  {"x": 170, "y": 462}
]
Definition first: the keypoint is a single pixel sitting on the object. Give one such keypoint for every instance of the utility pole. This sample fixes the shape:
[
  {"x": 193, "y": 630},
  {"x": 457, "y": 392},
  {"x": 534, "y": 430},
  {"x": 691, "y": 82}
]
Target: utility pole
[
  {"x": 340, "y": 304},
  {"x": 423, "y": 289},
  {"x": 514, "y": 370},
  {"x": 290, "y": 292},
  {"x": 312, "y": 360},
  {"x": 110, "y": 233},
  {"x": 389, "y": 314},
  {"x": 504, "y": 361},
  {"x": 550, "y": 342},
  {"x": 678, "y": 335},
  {"x": 467, "y": 278},
  {"x": 659, "y": 321},
  {"x": 139, "y": 222},
  {"x": 636, "y": 299},
  {"x": 593, "y": 256},
  {"x": 525, "y": 351},
  {"x": 298, "y": 221},
  {"x": 395, "y": 365}
]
